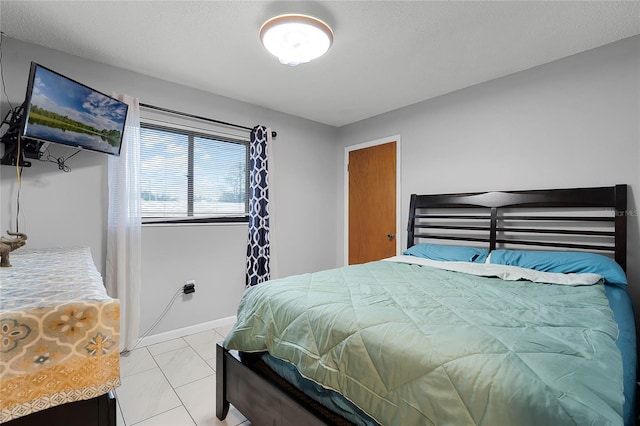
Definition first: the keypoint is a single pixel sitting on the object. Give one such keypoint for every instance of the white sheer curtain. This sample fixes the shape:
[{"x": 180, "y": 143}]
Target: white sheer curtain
[{"x": 123, "y": 275}]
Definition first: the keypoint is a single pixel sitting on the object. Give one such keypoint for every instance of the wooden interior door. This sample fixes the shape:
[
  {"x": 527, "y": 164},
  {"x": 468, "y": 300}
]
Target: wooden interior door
[{"x": 372, "y": 203}]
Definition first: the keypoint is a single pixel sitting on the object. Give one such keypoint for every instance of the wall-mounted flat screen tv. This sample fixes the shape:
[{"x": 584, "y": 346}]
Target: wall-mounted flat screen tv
[{"x": 61, "y": 110}]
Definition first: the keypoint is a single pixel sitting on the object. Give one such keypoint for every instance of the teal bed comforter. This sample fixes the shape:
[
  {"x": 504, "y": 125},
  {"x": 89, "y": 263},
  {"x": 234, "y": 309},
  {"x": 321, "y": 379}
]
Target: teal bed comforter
[{"x": 415, "y": 345}]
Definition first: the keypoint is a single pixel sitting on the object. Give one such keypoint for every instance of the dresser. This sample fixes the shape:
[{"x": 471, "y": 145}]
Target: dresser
[{"x": 59, "y": 333}]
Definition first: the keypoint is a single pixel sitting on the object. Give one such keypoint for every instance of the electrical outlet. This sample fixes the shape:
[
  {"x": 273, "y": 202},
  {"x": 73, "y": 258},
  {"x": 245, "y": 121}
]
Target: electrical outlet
[{"x": 189, "y": 287}]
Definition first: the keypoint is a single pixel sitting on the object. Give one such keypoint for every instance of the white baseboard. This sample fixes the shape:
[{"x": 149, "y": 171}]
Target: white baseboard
[{"x": 181, "y": 332}]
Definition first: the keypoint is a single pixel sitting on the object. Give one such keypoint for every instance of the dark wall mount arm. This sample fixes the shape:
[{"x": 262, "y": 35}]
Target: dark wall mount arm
[{"x": 15, "y": 148}]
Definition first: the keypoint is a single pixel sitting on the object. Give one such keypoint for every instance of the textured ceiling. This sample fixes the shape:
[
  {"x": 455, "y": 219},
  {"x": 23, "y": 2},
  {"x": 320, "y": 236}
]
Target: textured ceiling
[{"x": 386, "y": 55}]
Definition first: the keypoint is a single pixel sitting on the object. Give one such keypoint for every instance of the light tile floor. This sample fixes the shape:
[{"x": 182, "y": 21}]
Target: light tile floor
[{"x": 173, "y": 384}]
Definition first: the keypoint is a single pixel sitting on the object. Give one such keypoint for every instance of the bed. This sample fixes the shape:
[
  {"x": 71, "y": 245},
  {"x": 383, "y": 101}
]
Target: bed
[
  {"x": 473, "y": 325},
  {"x": 59, "y": 357}
]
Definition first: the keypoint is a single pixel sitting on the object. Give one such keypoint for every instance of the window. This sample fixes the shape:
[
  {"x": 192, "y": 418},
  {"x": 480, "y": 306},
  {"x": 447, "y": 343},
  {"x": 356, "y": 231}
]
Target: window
[{"x": 190, "y": 176}]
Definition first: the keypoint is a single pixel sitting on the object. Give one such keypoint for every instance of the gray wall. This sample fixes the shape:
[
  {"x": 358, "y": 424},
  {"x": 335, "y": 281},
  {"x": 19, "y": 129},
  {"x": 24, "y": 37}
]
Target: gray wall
[
  {"x": 69, "y": 209},
  {"x": 570, "y": 123},
  {"x": 573, "y": 122}
]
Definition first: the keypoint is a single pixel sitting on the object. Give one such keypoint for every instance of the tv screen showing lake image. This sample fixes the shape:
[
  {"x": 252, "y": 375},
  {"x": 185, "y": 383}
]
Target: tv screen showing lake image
[{"x": 64, "y": 111}]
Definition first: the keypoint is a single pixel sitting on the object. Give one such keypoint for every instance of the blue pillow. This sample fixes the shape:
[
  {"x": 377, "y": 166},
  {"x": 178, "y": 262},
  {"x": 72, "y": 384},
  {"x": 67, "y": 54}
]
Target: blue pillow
[
  {"x": 448, "y": 253},
  {"x": 565, "y": 262}
]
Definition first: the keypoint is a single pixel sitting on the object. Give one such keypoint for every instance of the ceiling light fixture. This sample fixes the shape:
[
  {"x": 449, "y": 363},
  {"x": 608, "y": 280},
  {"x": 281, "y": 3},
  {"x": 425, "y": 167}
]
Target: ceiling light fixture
[{"x": 296, "y": 39}]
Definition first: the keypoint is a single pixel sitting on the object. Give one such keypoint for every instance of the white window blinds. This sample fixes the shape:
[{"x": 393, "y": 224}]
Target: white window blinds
[{"x": 191, "y": 175}]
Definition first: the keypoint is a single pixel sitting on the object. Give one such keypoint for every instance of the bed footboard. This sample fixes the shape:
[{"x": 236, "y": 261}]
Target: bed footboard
[
  {"x": 262, "y": 396},
  {"x": 222, "y": 404}
]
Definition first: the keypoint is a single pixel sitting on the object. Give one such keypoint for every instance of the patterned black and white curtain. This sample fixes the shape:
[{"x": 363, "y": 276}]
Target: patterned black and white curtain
[{"x": 258, "y": 247}]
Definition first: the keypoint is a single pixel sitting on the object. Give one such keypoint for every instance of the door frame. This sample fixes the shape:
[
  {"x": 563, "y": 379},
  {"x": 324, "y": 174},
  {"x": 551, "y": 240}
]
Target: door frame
[{"x": 347, "y": 150}]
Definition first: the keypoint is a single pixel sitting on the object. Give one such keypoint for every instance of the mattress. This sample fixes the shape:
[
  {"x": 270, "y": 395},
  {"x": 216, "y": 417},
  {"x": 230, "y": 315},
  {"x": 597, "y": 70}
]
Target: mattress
[
  {"x": 456, "y": 349},
  {"x": 60, "y": 331}
]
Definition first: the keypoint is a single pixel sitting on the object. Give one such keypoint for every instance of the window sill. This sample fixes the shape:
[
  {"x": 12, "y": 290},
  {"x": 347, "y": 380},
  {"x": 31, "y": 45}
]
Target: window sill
[{"x": 232, "y": 220}]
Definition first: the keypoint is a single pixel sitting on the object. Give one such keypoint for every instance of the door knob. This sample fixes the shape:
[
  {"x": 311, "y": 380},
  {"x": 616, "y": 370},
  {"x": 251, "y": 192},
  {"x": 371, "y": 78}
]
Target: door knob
[{"x": 391, "y": 236}]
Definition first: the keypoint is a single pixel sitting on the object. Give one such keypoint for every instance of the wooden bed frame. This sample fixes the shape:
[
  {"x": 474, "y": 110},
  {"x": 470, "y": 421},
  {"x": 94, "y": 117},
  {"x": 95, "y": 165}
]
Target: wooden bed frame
[{"x": 590, "y": 219}]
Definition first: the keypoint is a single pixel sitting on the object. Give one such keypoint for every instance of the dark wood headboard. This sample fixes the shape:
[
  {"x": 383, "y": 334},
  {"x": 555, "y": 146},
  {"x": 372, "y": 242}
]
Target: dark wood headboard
[{"x": 591, "y": 219}]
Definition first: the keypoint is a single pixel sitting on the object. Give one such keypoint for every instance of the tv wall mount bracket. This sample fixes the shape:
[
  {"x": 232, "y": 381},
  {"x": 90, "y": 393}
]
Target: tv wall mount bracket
[{"x": 28, "y": 149}]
